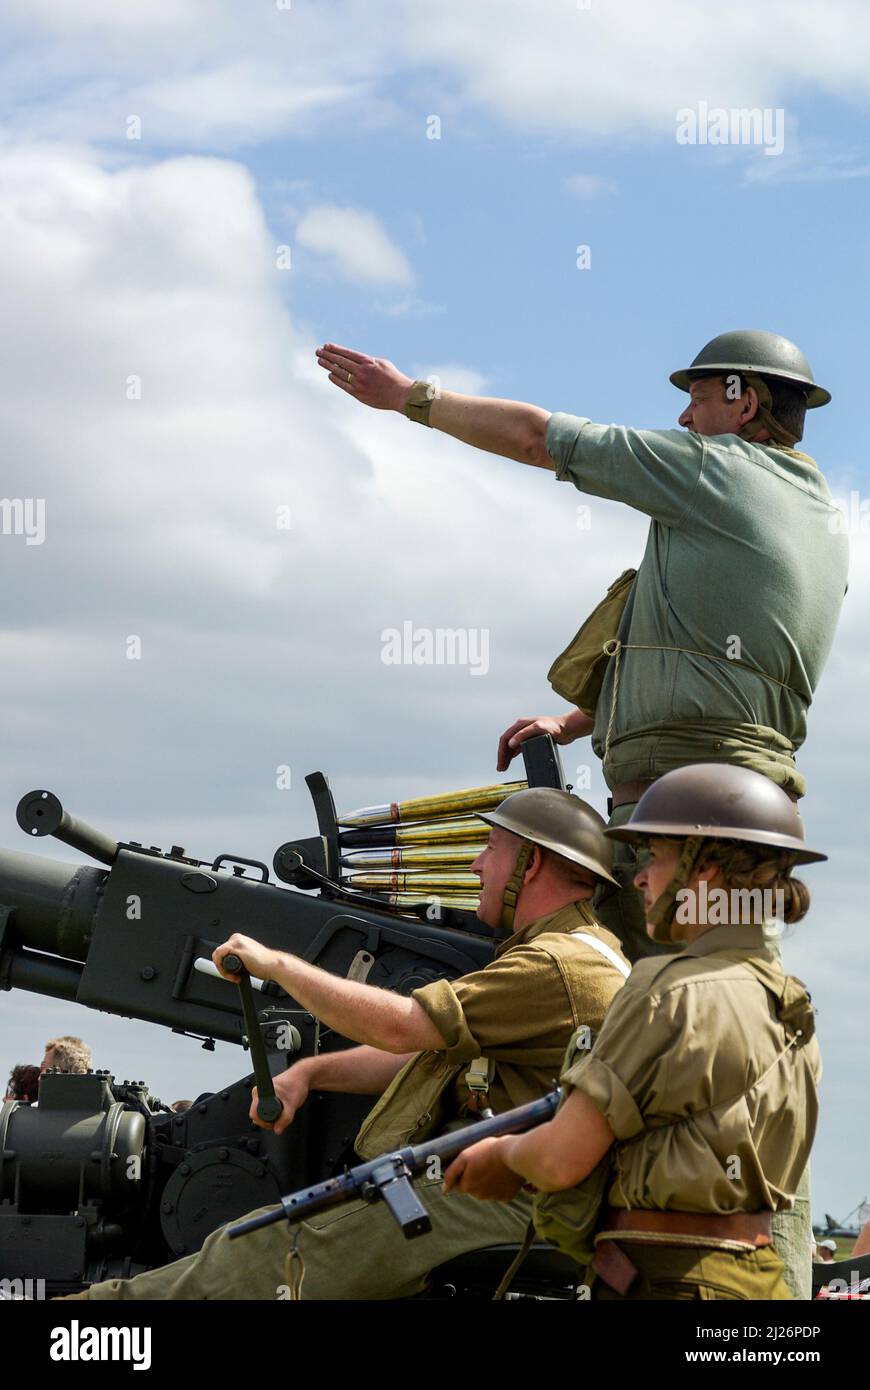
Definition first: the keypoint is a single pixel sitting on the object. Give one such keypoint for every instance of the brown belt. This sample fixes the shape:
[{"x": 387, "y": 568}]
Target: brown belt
[{"x": 687, "y": 1228}]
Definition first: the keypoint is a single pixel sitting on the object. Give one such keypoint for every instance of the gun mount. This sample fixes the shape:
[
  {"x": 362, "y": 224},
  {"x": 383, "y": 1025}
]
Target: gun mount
[{"x": 99, "y": 1181}]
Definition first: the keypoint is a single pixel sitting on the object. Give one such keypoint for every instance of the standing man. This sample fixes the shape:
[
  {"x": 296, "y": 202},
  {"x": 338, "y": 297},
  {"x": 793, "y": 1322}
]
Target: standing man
[{"x": 732, "y": 614}]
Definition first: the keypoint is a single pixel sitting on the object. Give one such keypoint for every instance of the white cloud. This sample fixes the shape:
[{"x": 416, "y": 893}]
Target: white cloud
[
  {"x": 239, "y": 74},
  {"x": 589, "y": 186},
  {"x": 356, "y": 242},
  {"x": 810, "y": 160},
  {"x": 261, "y": 647},
  {"x": 409, "y": 306}
]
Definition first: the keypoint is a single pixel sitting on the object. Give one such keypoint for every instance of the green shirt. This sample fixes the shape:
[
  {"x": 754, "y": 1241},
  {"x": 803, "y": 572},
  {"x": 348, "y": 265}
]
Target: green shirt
[{"x": 744, "y": 546}]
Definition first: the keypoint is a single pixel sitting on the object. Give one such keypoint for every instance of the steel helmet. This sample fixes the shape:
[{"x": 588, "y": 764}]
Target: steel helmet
[
  {"x": 712, "y": 801},
  {"x": 754, "y": 350},
  {"x": 719, "y": 801},
  {"x": 558, "y": 821}
]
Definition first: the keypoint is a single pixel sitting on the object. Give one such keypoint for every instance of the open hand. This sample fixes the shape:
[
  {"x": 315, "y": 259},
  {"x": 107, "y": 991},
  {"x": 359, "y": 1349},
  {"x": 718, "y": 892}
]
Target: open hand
[{"x": 372, "y": 380}]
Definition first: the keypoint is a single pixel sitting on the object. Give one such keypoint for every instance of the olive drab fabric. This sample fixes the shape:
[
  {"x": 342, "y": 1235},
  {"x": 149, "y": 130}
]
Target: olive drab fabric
[
  {"x": 577, "y": 674},
  {"x": 732, "y": 613},
  {"x": 668, "y": 1272},
  {"x": 355, "y": 1251},
  {"x": 706, "y": 1069},
  {"x": 417, "y": 1104},
  {"x": 519, "y": 1012}
]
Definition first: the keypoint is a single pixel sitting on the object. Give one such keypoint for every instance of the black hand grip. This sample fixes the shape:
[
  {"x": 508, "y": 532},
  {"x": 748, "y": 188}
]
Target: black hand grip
[{"x": 269, "y": 1107}]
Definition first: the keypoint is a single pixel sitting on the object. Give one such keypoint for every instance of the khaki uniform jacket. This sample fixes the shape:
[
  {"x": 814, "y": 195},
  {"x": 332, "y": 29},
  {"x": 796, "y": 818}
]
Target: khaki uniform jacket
[
  {"x": 703, "y": 1078},
  {"x": 519, "y": 1011}
]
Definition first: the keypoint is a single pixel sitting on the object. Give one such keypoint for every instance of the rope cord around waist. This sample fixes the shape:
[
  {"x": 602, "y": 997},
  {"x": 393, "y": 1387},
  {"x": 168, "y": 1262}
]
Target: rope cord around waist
[{"x": 614, "y": 647}]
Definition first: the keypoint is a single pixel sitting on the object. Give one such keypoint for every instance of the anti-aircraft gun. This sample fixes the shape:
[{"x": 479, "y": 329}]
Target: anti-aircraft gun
[{"x": 99, "y": 1180}]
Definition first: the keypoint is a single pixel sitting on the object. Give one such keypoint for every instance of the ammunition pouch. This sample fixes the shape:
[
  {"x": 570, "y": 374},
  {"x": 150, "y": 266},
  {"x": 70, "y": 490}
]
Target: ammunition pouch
[
  {"x": 578, "y": 673},
  {"x": 413, "y": 1107}
]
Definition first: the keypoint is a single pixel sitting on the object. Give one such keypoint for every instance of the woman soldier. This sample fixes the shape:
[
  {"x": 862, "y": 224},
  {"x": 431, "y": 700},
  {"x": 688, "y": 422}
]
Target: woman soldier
[{"x": 700, "y": 1089}]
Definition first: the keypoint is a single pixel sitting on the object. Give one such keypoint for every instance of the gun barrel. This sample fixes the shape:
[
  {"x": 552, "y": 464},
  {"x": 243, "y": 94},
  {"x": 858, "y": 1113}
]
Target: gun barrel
[
  {"x": 41, "y": 813},
  {"x": 55, "y": 904}
]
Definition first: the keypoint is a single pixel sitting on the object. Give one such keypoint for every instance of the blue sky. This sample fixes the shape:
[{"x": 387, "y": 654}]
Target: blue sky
[{"x": 155, "y": 257}]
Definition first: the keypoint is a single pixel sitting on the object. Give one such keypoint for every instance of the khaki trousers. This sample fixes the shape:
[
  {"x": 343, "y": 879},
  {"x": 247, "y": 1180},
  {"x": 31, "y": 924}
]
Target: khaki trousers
[
  {"x": 355, "y": 1251},
  {"x": 669, "y": 1272}
]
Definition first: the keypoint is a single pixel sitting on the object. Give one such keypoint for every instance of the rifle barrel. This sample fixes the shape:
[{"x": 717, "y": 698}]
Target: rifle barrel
[{"x": 409, "y": 1160}]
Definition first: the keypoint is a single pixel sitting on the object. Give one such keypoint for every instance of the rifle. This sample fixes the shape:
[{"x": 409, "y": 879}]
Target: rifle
[{"x": 389, "y": 1176}]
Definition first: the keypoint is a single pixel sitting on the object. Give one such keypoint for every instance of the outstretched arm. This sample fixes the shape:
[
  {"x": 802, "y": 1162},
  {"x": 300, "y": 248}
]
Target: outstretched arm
[{"x": 512, "y": 429}]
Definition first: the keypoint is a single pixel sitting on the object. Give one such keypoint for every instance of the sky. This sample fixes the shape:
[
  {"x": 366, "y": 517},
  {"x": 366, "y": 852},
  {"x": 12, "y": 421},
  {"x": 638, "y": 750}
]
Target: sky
[{"x": 192, "y": 198}]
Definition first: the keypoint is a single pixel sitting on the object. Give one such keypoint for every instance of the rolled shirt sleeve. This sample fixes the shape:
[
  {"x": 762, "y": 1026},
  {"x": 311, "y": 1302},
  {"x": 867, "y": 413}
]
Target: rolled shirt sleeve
[
  {"x": 655, "y": 471},
  {"x": 625, "y": 1071},
  {"x": 507, "y": 1012}
]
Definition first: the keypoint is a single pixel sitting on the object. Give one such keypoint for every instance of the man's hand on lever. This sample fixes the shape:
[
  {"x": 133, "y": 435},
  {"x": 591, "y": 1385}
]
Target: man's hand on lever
[
  {"x": 563, "y": 728},
  {"x": 259, "y": 960},
  {"x": 292, "y": 1089}
]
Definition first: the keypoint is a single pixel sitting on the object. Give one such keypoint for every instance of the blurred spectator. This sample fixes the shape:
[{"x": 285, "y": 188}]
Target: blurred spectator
[
  {"x": 66, "y": 1054},
  {"x": 23, "y": 1084},
  {"x": 827, "y": 1249}
]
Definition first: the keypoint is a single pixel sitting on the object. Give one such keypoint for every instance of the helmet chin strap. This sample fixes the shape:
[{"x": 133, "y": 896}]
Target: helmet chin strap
[
  {"x": 764, "y": 418},
  {"x": 663, "y": 911},
  {"x": 513, "y": 887}
]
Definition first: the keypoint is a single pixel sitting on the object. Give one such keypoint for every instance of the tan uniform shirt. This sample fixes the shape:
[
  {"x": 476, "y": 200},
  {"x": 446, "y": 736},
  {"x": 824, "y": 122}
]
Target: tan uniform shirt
[
  {"x": 689, "y": 1072},
  {"x": 519, "y": 1011}
]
